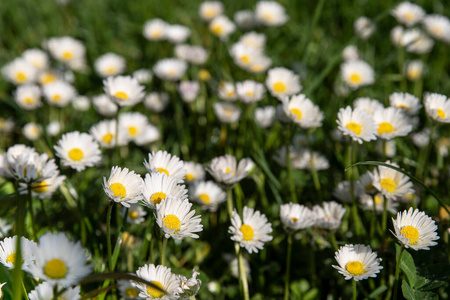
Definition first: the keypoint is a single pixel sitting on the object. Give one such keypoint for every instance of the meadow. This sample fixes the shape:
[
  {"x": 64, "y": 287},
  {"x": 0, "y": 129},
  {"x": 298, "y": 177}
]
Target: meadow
[{"x": 224, "y": 150}]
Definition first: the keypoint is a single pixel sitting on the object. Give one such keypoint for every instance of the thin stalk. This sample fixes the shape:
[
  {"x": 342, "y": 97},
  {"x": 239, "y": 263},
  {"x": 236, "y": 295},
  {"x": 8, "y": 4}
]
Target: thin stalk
[
  {"x": 350, "y": 177},
  {"x": 384, "y": 217},
  {"x": 243, "y": 276},
  {"x": 230, "y": 203},
  {"x": 288, "y": 267},
  {"x": 314, "y": 173},
  {"x": 288, "y": 164},
  {"x": 30, "y": 206},
  {"x": 25, "y": 291},
  {"x": 163, "y": 251},
  {"x": 355, "y": 292},
  {"x": 333, "y": 241},
  {"x": 401, "y": 68},
  {"x": 108, "y": 234},
  {"x": 20, "y": 231},
  {"x": 397, "y": 272}
]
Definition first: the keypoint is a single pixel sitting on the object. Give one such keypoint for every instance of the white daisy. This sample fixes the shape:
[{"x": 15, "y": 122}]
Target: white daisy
[
  {"x": 421, "y": 139},
  {"x": 308, "y": 158},
  {"x": 343, "y": 191},
  {"x": 245, "y": 56},
  {"x": 67, "y": 50},
  {"x": 357, "y": 262},
  {"x": 227, "y": 112},
  {"x": 208, "y": 194},
  {"x": 227, "y": 91},
  {"x": 208, "y": 10},
  {"x": 438, "y": 27},
  {"x": 222, "y": 27},
  {"x": 364, "y": 27},
  {"x": 357, "y": 73},
  {"x": 47, "y": 187},
  {"x": 252, "y": 231},
  {"x": 158, "y": 187},
  {"x": 136, "y": 214},
  {"x": 8, "y": 252},
  {"x": 44, "y": 291},
  {"x": 259, "y": 64},
  {"x": 28, "y": 96},
  {"x": 155, "y": 29},
  {"x": 123, "y": 186},
  {"x": 196, "y": 55},
  {"x": 358, "y": 124},
  {"x": 171, "y": 69},
  {"x": 176, "y": 220},
  {"x": 409, "y": 103},
  {"x": 227, "y": 171},
  {"x": 59, "y": 93},
  {"x": 416, "y": 230},
  {"x": 416, "y": 41},
  {"x": 143, "y": 76},
  {"x": 60, "y": 261},
  {"x": 189, "y": 287},
  {"x": 30, "y": 167},
  {"x": 32, "y": 131},
  {"x": 195, "y": 172},
  {"x": 104, "y": 105},
  {"x": 160, "y": 276},
  {"x": 36, "y": 57},
  {"x": 302, "y": 111},
  {"x": 78, "y": 150},
  {"x": 5, "y": 227},
  {"x": 244, "y": 19},
  {"x": 53, "y": 128},
  {"x": 104, "y": 133},
  {"x": 414, "y": 69},
  {"x": 270, "y": 13},
  {"x": 329, "y": 216},
  {"x": 128, "y": 290},
  {"x": 391, "y": 123},
  {"x": 350, "y": 52},
  {"x": 367, "y": 104},
  {"x": 295, "y": 216},
  {"x": 189, "y": 90},
  {"x": 365, "y": 180},
  {"x": 437, "y": 107},
  {"x": 156, "y": 102},
  {"x": 177, "y": 33},
  {"x": 19, "y": 71},
  {"x": 282, "y": 82},
  {"x": 376, "y": 203},
  {"x": 110, "y": 64},
  {"x": 264, "y": 116},
  {"x": 408, "y": 13},
  {"x": 133, "y": 124},
  {"x": 391, "y": 183},
  {"x": 396, "y": 36},
  {"x": 123, "y": 90},
  {"x": 250, "y": 91},
  {"x": 164, "y": 162},
  {"x": 49, "y": 76}
]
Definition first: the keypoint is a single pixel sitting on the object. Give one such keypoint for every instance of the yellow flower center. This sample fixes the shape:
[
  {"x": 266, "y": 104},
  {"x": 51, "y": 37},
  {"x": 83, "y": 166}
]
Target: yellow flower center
[
  {"x": 209, "y": 13},
  {"x": 121, "y": 95},
  {"x": 204, "y": 198},
  {"x": 132, "y": 131},
  {"x": 355, "y": 127},
  {"x": 76, "y": 154},
  {"x": 409, "y": 16},
  {"x": 279, "y": 87},
  {"x": 385, "y": 127},
  {"x": 440, "y": 113},
  {"x": 171, "y": 72},
  {"x": 297, "y": 113},
  {"x": 227, "y": 170},
  {"x": 204, "y": 75},
  {"x": 118, "y": 189},
  {"x": 55, "y": 269},
  {"x": 247, "y": 232},
  {"x": 28, "y": 100},
  {"x": 355, "y": 268},
  {"x": 437, "y": 30},
  {"x": 133, "y": 215},
  {"x": 156, "y": 34},
  {"x": 153, "y": 292},
  {"x": 40, "y": 187},
  {"x": 190, "y": 177},
  {"x": 250, "y": 94},
  {"x": 388, "y": 184},
  {"x": 11, "y": 258},
  {"x": 230, "y": 94},
  {"x": 294, "y": 219},
  {"x": 131, "y": 292},
  {"x": 355, "y": 78},
  {"x": 245, "y": 59},
  {"x": 172, "y": 222},
  {"x": 157, "y": 197},
  {"x": 413, "y": 74},
  {"x": 378, "y": 200},
  {"x": 268, "y": 16},
  {"x": 107, "y": 138},
  {"x": 162, "y": 170},
  {"x": 411, "y": 233},
  {"x": 47, "y": 78},
  {"x": 67, "y": 55},
  {"x": 56, "y": 97},
  {"x": 21, "y": 77},
  {"x": 110, "y": 70},
  {"x": 403, "y": 106},
  {"x": 217, "y": 29}
]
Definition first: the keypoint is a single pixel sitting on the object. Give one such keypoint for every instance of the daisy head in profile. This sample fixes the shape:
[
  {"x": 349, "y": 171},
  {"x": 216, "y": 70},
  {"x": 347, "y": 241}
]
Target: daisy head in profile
[
  {"x": 208, "y": 10},
  {"x": 364, "y": 27},
  {"x": 159, "y": 276},
  {"x": 329, "y": 215},
  {"x": 155, "y": 29},
  {"x": 414, "y": 229},
  {"x": 110, "y": 64},
  {"x": 357, "y": 124},
  {"x": 222, "y": 27},
  {"x": 265, "y": 116},
  {"x": 410, "y": 104},
  {"x": 415, "y": 70},
  {"x": 164, "y": 162},
  {"x": 36, "y": 57},
  {"x": 438, "y": 26},
  {"x": 357, "y": 73},
  {"x": 391, "y": 183},
  {"x": 28, "y": 96},
  {"x": 227, "y": 171},
  {"x": 357, "y": 262},
  {"x": 78, "y": 150},
  {"x": 44, "y": 291},
  {"x": 227, "y": 113},
  {"x": 391, "y": 122},
  {"x": 303, "y": 112},
  {"x": 437, "y": 107},
  {"x": 158, "y": 187},
  {"x": 170, "y": 69},
  {"x": 295, "y": 216},
  {"x": 252, "y": 231},
  {"x": 19, "y": 71},
  {"x": 282, "y": 82},
  {"x": 408, "y": 13},
  {"x": 195, "y": 172},
  {"x": 208, "y": 194},
  {"x": 270, "y": 13},
  {"x": 124, "y": 90},
  {"x": 123, "y": 186}
]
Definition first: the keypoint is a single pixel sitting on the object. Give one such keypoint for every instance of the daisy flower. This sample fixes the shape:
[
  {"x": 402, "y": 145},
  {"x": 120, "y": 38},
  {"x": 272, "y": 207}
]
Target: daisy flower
[
  {"x": 160, "y": 276},
  {"x": 243, "y": 55},
  {"x": 391, "y": 123},
  {"x": 123, "y": 90},
  {"x": 123, "y": 186},
  {"x": 357, "y": 262},
  {"x": 227, "y": 112},
  {"x": 48, "y": 76},
  {"x": 104, "y": 133},
  {"x": 329, "y": 216},
  {"x": 110, "y": 64},
  {"x": 19, "y": 71},
  {"x": 177, "y": 33},
  {"x": 189, "y": 287},
  {"x": 414, "y": 69},
  {"x": 254, "y": 39},
  {"x": 295, "y": 216},
  {"x": 59, "y": 93},
  {"x": 438, "y": 27},
  {"x": 343, "y": 191},
  {"x": 128, "y": 290},
  {"x": 357, "y": 124},
  {"x": 365, "y": 180},
  {"x": 408, "y": 13},
  {"x": 67, "y": 50},
  {"x": 36, "y": 57},
  {"x": 133, "y": 124},
  {"x": 250, "y": 91},
  {"x": 176, "y": 219},
  {"x": 364, "y": 27},
  {"x": 350, "y": 53},
  {"x": 8, "y": 252},
  {"x": 409, "y": 103},
  {"x": 196, "y": 55},
  {"x": 417, "y": 41},
  {"x": 264, "y": 116},
  {"x": 155, "y": 29},
  {"x": 104, "y": 105},
  {"x": 227, "y": 171},
  {"x": 158, "y": 187},
  {"x": 32, "y": 131},
  {"x": 376, "y": 203},
  {"x": 208, "y": 10},
  {"x": 270, "y": 13},
  {"x": 78, "y": 150},
  {"x": 156, "y": 102},
  {"x": 60, "y": 261},
  {"x": 416, "y": 230},
  {"x": 421, "y": 139},
  {"x": 44, "y": 291},
  {"x": 171, "y": 69},
  {"x": 368, "y": 105},
  {"x": 208, "y": 194},
  {"x": 282, "y": 82},
  {"x": 222, "y": 27},
  {"x": 259, "y": 64},
  {"x": 252, "y": 231},
  {"x": 5, "y": 227},
  {"x": 53, "y": 128},
  {"x": 164, "y": 162},
  {"x": 47, "y": 187},
  {"x": 303, "y": 112},
  {"x": 245, "y": 19},
  {"x": 143, "y": 76},
  {"x": 437, "y": 107},
  {"x": 195, "y": 172},
  {"x": 189, "y": 90},
  {"x": 308, "y": 158},
  {"x": 136, "y": 214},
  {"x": 357, "y": 73},
  {"x": 28, "y": 96},
  {"x": 391, "y": 183},
  {"x": 227, "y": 91},
  {"x": 30, "y": 167}
]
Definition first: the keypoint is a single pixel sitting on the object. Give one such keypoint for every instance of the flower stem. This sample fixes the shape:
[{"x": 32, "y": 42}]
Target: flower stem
[
  {"x": 288, "y": 267},
  {"x": 230, "y": 203},
  {"x": 333, "y": 241},
  {"x": 163, "y": 251},
  {"x": 350, "y": 177},
  {"x": 314, "y": 173},
  {"x": 108, "y": 234},
  {"x": 30, "y": 205},
  {"x": 397, "y": 272},
  {"x": 243, "y": 276},
  {"x": 20, "y": 231},
  {"x": 384, "y": 216},
  {"x": 288, "y": 164},
  {"x": 355, "y": 293}
]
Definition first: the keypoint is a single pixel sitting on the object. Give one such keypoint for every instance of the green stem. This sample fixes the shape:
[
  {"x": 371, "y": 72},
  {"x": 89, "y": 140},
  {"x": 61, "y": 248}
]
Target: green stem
[
  {"x": 397, "y": 272},
  {"x": 314, "y": 173},
  {"x": 384, "y": 217},
  {"x": 355, "y": 292},
  {"x": 350, "y": 176},
  {"x": 25, "y": 291},
  {"x": 19, "y": 231},
  {"x": 288, "y": 164},
  {"x": 30, "y": 205},
  {"x": 230, "y": 203},
  {"x": 243, "y": 276},
  {"x": 108, "y": 234},
  {"x": 401, "y": 68},
  {"x": 333, "y": 241},
  {"x": 288, "y": 267},
  {"x": 163, "y": 251}
]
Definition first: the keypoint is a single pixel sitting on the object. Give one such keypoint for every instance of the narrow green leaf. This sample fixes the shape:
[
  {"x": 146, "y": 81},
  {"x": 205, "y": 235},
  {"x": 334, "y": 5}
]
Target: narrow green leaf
[
  {"x": 408, "y": 292},
  {"x": 377, "y": 292},
  {"x": 409, "y": 268}
]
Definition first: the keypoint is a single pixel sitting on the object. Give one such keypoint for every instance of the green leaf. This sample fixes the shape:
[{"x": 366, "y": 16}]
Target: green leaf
[
  {"x": 408, "y": 292},
  {"x": 411, "y": 294},
  {"x": 408, "y": 267},
  {"x": 377, "y": 292}
]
